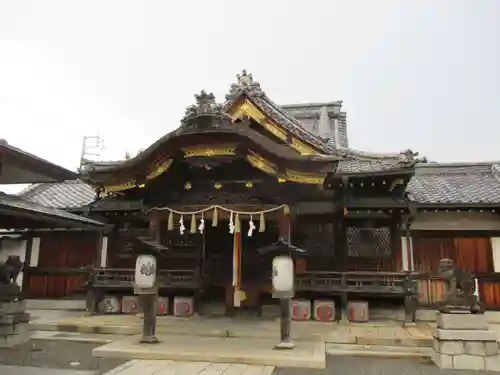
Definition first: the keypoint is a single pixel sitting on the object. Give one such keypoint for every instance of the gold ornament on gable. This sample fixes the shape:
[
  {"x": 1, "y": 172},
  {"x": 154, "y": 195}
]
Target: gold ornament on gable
[
  {"x": 305, "y": 178},
  {"x": 260, "y": 163},
  {"x": 120, "y": 187},
  {"x": 302, "y": 147},
  {"x": 209, "y": 151},
  {"x": 159, "y": 169}
]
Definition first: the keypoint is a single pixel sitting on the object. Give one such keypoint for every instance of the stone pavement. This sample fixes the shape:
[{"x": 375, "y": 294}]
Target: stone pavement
[
  {"x": 347, "y": 365},
  {"x": 160, "y": 367},
  {"x": 255, "y": 351},
  {"x": 27, "y": 370},
  {"x": 389, "y": 333}
]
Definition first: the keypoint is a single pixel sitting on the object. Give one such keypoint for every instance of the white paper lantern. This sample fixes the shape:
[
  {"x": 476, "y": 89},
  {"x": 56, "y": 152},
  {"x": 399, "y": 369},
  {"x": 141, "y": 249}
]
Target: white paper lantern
[
  {"x": 282, "y": 274},
  {"x": 145, "y": 271}
]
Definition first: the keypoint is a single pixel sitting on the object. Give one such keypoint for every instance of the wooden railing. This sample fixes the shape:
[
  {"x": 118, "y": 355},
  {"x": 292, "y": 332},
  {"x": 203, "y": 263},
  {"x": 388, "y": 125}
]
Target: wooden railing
[
  {"x": 376, "y": 283},
  {"x": 116, "y": 278},
  {"x": 426, "y": 287}
]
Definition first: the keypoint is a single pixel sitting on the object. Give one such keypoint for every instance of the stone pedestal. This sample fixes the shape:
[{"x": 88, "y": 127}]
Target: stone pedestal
[
  {"x": 14, "y": 323},
  {"x": 462, "y": 341}
]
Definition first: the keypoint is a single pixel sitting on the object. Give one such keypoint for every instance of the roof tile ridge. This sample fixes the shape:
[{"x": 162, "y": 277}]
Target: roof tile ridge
[
  {"x": 290, "y": 117},
  {"x": 406, "y": 156},
  {"x": 443, "y": 169}
]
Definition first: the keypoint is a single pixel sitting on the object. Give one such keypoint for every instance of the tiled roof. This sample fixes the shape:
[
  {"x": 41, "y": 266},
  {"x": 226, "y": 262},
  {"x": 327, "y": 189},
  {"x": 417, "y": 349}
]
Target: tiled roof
[
  {"x": 17, "y": 205},
  {"x": 468, "y": 184},
  {"x": 66, "y": 195},
  {"x": 355, "y": 161},
  {"x": 247, "y": 86}
]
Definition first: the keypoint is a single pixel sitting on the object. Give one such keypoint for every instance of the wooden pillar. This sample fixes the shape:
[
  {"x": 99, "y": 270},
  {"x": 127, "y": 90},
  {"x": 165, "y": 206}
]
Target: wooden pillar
[
  {"x": 408, "y": 266},
  {"x": 31, "y": 258},
  {"x": 154, "y": 226},
  {"x": 343, "y": 257},
  {"x": 285, "y": 303},
  {"x": 27, "y": 258},
  {"x": 285, "y": 228}
]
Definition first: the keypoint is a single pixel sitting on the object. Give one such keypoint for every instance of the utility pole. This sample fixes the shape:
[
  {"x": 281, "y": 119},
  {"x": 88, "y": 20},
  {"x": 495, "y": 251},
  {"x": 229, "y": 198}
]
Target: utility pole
[{"x": 91, "y": 146}]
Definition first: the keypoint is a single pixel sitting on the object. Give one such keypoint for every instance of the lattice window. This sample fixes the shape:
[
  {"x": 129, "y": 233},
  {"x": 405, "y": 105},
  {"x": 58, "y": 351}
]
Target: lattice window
[
  {"x": 316, "y": 237},
  {"x": 369, "y": 242},
  {"x": 122, "y": 244}
]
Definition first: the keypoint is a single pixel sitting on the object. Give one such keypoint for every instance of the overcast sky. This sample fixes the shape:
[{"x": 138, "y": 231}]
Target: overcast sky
[{"x": 412, "y": 74}]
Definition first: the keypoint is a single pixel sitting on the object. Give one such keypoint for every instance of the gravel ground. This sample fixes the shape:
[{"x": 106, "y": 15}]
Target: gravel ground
[
  {"x": 337, "y": 365},
  {"x": 57, "y": 354}
]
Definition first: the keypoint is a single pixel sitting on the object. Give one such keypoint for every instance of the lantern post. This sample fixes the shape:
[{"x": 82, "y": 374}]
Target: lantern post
[
  {"x": 146, "y": 288},
  {"x": 283, "y": 280}
]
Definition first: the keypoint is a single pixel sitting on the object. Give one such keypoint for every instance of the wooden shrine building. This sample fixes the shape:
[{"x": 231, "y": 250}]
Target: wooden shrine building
[
  {"x": 371, "y": 223},
  {"x": 237, "y": 176}
]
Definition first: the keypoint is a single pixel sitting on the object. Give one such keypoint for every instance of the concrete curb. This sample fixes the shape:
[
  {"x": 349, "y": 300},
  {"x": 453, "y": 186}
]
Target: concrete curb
[
  {"x": 367, "y": 353},
  {"x": 74, "y": 339},
  {"x": 135, "y": 330},
  {"x": 393, "y": 341},
  {"x": 378, "y": 351}
]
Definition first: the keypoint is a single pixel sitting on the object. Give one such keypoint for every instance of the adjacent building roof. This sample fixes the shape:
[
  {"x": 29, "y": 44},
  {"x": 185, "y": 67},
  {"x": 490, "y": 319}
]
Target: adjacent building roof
[
  {"x": 66, "y": 195},
  {"x": 467, "y": 184},
  {"x": 37, "y": 215},
  {"x": 20, "y": 167}
]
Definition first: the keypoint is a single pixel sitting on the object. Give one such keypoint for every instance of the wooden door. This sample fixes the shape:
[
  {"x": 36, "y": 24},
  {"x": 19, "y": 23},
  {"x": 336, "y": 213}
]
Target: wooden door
[{"x": 62, "y": 258}]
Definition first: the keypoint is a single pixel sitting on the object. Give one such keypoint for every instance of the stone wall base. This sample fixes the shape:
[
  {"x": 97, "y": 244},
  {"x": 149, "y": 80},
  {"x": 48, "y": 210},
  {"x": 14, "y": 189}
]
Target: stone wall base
[
  {"x": 14, "y": 324},
  {"x": 463, "y": 342}
]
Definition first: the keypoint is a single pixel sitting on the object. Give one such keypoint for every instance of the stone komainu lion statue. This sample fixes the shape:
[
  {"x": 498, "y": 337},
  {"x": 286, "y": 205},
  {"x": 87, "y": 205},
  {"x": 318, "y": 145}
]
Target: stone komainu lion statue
[
  {"x": 10, "y": 269},
  {"x": 461, "y": 288}
]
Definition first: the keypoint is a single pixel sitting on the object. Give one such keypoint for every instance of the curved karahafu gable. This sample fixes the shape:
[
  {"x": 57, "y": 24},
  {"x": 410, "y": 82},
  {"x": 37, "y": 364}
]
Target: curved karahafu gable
[
  {"x": 206, "y": 132},
  {"x": 248, "y": 126}
]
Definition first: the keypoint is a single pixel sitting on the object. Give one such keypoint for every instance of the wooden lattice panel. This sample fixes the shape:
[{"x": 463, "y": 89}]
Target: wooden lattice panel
[{"x": 369, "y": 242}]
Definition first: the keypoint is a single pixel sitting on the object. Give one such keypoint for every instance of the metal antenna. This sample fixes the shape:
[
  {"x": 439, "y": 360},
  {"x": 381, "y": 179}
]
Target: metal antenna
[{"x": 91, "y": 146}]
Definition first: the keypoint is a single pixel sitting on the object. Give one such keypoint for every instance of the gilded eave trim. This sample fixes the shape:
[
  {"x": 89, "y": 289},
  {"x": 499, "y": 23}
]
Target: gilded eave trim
[
  {"x": 246, "y": 107},
  {"x": 261, "y": 163}
]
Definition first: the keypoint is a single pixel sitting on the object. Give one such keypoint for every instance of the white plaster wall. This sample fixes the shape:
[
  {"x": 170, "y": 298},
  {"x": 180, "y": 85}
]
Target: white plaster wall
[
  {"x": 13, "y": 246},
  {"x": 404, "y": 254},
  {"x": 431, "y": 220},
  {"x": 104, "y": 252},
  {"x": 495, "y": 250}
]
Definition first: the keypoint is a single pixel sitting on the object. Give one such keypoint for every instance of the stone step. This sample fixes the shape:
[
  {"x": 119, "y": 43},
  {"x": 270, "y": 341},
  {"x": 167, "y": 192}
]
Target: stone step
[{"x": 379, "y": 351}]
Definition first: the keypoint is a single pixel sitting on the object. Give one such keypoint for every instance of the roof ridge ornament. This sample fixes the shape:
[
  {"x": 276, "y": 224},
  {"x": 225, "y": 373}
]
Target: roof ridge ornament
[
  {"x": 205, "y": 106},
  {"x": 244, "y": 82}
]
